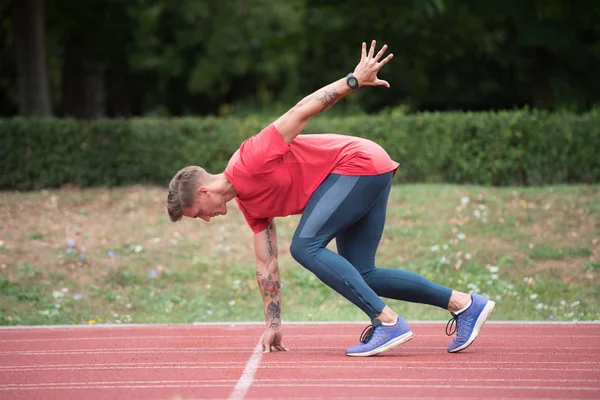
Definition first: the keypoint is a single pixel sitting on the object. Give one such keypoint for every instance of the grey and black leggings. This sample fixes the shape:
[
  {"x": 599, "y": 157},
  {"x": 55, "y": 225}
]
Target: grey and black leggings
[{"x": 352, "y": 210}]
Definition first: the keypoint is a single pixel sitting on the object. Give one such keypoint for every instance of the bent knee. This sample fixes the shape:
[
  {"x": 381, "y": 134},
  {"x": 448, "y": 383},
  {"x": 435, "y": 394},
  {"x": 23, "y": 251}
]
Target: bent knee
[
  {"x": 303, "y": 252},
  {"x": 298, "y": 251}
]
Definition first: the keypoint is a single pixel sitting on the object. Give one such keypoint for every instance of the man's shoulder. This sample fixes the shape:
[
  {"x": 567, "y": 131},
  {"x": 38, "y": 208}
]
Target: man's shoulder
[{"x": 233, "y": 160}]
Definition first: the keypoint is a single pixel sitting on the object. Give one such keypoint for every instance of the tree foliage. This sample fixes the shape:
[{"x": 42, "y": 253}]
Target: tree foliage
[{"x": 198, "y": 57}]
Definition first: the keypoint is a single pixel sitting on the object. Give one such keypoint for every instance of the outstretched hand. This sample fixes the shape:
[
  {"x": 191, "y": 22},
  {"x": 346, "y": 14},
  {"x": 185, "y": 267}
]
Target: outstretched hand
[
  {"x": 271, "y": 340},
  {"x": 369, "y": 65}
]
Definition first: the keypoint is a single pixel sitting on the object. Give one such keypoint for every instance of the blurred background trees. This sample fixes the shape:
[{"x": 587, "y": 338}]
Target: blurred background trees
[{"x": 112, "y": 58}]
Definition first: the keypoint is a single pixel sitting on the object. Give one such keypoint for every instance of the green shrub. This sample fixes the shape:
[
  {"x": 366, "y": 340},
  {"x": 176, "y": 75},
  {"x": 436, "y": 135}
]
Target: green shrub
[{"x": 522, "y": 147}]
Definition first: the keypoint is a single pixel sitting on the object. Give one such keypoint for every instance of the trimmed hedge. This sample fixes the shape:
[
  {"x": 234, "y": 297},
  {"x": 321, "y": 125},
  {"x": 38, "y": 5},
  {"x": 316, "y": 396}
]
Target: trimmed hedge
[{"x": 489, "y": 148}]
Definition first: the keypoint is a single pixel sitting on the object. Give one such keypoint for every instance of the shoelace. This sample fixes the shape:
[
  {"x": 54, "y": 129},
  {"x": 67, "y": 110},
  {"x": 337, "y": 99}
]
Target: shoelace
[
  {"x": 452, "y": 324},
  {"x": 367, "y": 334},
  {"x": 462, "y": 326}
]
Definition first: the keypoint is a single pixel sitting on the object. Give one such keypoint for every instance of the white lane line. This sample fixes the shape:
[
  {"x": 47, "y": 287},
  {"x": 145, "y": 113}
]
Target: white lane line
[
  {"x": 397, "y": 366},
  {"x": 234, "y": 324},
  {"x": 300, "y": 380},
  {"x": 242, "y": 348},
  {"x": 149, "y": 350},
  {"x": 198, "y": 335},
  {"x": 282, "y": 363},
  {"x": 400, "y": 396},
  {"x": 307, "y": 385},
  {"x": 245, "y": 381}
]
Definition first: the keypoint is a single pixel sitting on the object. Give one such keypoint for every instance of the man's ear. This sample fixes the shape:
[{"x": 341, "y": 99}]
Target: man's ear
[{"x": 203, "y": 191}]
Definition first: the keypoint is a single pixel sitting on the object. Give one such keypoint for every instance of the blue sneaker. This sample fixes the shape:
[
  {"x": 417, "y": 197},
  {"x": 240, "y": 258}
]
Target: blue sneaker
[
  {"x": 468, "y": 323},
  {"x": 378, "y": 338}
]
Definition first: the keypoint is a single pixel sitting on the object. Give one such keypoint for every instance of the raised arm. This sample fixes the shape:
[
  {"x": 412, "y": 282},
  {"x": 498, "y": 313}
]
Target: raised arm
[
  {"x": 293, "y": 122},
  {"x": 269, "y": 284}
]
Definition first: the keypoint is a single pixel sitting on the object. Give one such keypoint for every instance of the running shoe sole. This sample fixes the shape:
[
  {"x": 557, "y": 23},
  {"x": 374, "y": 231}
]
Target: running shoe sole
[
  {"x": 485, "y": 313},
  {"x": 386, "y": 346}
]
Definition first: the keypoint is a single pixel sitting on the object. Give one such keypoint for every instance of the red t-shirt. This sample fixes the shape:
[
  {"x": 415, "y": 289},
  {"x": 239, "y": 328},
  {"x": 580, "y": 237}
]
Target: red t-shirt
[{"x": 274, "y": 179}]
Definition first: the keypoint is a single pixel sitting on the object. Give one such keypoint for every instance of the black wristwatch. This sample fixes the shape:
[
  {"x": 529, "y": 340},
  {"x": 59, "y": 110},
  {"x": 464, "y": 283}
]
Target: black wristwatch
[{"x": 352, "y": 81}]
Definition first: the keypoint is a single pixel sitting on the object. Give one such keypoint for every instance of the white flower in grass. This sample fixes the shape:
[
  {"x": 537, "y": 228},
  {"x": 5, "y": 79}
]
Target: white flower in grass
[
  {"x": 533, "y": 296},
  {"x": 445, "y": 247},
  {"x": 482, "y": 207},
  {"x": 468, "y": 256},
  {"x": 461, "y": 236},
  {"x": 477, "y": 214},
  {"x": 494, "y": 276},
  {"x": 473, "y": 287},
  {"x": 563, "y": 303},
  {"x": 209, "y": 312},
  {"x": 575, "y": 303},
  {"x": 539, "y": 306},
  {"x": 494, "y": 269},
  {"x": 56, "y": 294},
  {"x": 465, "y": 200},
  {"x": 138, "y": 248},
  {"x": 232, "y": 302},
  {"x": 435, "y": 247}
]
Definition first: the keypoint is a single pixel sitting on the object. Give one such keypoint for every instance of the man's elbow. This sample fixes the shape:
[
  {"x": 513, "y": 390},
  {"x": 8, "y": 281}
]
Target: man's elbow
[{"x": 299, "y": 113}]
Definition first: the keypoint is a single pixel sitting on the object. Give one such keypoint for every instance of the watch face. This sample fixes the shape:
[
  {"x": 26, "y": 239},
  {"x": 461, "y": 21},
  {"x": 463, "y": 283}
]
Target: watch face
[{"x": 352, "y": 82}]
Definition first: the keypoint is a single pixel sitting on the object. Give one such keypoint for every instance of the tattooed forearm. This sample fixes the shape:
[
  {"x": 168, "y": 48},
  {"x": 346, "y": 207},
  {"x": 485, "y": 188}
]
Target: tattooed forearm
[
  {"x": 328, "y": 98},
  {"x": 270, "y": 240},
  {"x": 275, "y": 324},
  {"x": 270, "y": 286},
  {"x": 274, "y": 311}
]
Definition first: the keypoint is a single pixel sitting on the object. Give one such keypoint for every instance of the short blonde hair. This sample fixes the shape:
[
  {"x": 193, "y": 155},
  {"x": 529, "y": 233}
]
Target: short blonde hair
[{"x": 182, "y": 190}]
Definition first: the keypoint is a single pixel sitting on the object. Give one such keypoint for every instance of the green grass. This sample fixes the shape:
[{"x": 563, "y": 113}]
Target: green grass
[
  {"x": 112, "y": 256},
  {"x": 545, "y": 252}
]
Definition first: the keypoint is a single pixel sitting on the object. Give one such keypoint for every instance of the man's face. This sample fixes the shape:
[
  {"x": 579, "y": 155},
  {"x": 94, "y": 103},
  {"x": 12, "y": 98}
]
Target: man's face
[{"x": 207, "y": 205}]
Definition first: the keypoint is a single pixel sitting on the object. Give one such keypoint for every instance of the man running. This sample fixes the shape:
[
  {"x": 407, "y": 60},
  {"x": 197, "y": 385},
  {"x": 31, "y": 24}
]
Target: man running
[{"x": 340, "y": 185}]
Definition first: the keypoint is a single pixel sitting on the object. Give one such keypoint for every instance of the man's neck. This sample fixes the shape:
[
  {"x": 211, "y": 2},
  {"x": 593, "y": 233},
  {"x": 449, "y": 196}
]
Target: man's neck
[{"x": 226, "y": 187}]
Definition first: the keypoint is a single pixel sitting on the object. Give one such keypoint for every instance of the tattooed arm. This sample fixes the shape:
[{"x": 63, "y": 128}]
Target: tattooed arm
[
  {"x": 269, "y": 284},
  {"x": 293, "y": 122}
]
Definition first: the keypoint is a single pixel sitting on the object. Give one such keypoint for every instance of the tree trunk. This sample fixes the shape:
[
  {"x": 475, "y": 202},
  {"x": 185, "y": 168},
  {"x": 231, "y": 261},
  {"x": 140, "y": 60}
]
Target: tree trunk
[
  {"x": 119, "y": 94},
  {"x": 94, "y": 91},
  {"x": 541, "y": 62},
  {"x": 29, "y": 27},
  {"x": 83, "y": 88}
]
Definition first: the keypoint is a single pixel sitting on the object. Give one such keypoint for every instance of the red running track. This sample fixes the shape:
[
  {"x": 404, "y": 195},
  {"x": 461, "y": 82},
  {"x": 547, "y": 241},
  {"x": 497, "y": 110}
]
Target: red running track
[{"x": 508, "y": 360}]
